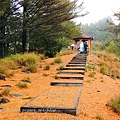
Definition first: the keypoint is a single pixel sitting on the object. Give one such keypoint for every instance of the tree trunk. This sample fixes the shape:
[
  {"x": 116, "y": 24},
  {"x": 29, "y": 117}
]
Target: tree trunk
[
  {"x": 24, "y": 34},
  {"x": 2, "y": 34}
]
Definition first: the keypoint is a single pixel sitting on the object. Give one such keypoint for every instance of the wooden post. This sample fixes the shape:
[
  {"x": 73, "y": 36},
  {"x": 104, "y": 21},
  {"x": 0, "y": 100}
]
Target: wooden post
[{"x": 90, "y": 45}]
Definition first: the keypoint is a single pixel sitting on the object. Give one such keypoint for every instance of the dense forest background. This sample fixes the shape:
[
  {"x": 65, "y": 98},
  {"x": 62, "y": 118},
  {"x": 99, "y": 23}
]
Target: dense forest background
[{"x": 46, "y": 26}]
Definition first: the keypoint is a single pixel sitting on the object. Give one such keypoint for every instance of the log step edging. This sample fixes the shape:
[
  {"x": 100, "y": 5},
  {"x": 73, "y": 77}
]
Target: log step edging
[
  {"x": 79, "y": 58},
  {"x": 78, "y": 98},
  {"x": 75, "y": 65},
  {"x": 69, "y": 77},
  {"x": 66, "y": 84},
  {"x": 71, "y": 111},
  {"x": 72, "y": 62},
  {"x": 78, "y": 61},
  {"x": 73, "y": 68},
  {"x": 63, "y": 72}
]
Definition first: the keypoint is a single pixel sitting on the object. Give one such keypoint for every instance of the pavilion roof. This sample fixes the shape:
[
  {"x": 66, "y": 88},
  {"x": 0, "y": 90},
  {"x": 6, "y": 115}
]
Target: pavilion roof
[{"x": 84, "y": 36}]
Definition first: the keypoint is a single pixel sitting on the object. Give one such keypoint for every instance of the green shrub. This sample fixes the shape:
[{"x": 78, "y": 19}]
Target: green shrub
[
  {"x": 58, "y": 72},
  {"x": 88, "y": 81},
  {"x": 91, "y": 74},
  {"x": 115, "y": 104},
  {"x": 26, "y": 79},
  {"x": 52, "y": 63},
  {"x": 3, "y": 69},
  {"x": 8, "y": 63},
  {"x": 99, "y": 117},
  {"x": 58, "y": 60},
  {"x": 42, "y": 56},
  {"x": 86, "y": 68},
  {"x": 25, "y": 59},
  {"x": 103, "y": 70},
  {"x": 61, "y": 67},
  {"x": 6, "y": 91},
  {"x": 9, "y": 74},
  {"x": 32, "y": 68},
  {"x": 101, "y": 63},
  {"x": 112, "y": 48},
  {"x": 30, "y": 58},
  {"x": 64, "y": 52},
  {"x": 89, "y": 67},
  {"x": 47, "y": 67},
  {"x": 56, "y": 76},
  {"x": 22, "y": 85}
]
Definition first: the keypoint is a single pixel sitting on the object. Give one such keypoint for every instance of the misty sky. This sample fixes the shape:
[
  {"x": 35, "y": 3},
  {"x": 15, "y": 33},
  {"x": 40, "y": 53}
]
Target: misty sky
[{"x": 98, "y": 10}]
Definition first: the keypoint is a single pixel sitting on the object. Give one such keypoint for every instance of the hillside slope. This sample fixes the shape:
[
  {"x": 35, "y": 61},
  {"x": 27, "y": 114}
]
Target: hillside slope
[{"x": 97, "y": 91}]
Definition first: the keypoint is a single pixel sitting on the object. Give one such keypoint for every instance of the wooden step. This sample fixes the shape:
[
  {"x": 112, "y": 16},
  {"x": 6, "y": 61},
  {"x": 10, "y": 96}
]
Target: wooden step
[
  {"x": 66, "y": 84},
  {"x": 73, "y": 62},
  {"x": 79, "y": 60},
  {"x": 71, "y": 111},
  {"x": 70, "y": 77},
  {"x": 71, "y": 72},
  {"x": 73, "y": 68},
  {"x": 75, "y": 65}
]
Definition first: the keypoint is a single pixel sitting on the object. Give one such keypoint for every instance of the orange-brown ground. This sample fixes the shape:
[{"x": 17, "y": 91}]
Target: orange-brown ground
[{"x": 96, "y": 93}]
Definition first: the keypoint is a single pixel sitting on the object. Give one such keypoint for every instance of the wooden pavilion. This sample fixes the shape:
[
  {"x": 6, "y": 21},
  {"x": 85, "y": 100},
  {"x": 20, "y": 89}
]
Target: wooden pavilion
[{"x": 84, "y": 38}]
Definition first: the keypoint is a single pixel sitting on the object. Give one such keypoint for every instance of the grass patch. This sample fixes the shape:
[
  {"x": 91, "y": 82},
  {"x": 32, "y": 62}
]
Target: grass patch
[
  {"x": 4, "y": 70},
  {"x": 86, "y": 68},
  {"x": 90, "y": 67},
  {"x": 29, "y": 60},
  {"x": 58, "y": 72},
  {"x": 47, "y": 67},
  {"x": 103, "y": 70},
  {"x": 61, "y": 67},
  {"x": 56, "y": 77},
  {"x": 32, "y": 68},
  {"x": 115, "y": 104},
  {"x": 108, "y": 64},
  {"x": 91, "y": 74},
  {"x": 42, "y": 57},
  {"x": 88, "y": 81},
  {"x": 52, "y": 63},
  {"x": 25, "y": 59},
  {"x": 27, "y": 79},
  {"x": 99, "y": 117},
  {"x": 8, "y": 63},
  {"x": 6, "y": 92},
  {"x": 22, "y": 85},
  {"x": 64, "y": 52},
  {"x": 58, "y": 60}
]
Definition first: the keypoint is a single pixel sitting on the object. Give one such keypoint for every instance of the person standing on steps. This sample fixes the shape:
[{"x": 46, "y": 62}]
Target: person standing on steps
[
  {"x": 81, "y": 47},
  {"x": 85, "y": 46},
  {"x": 68, "y": 47},
  {"x": 73, "y": 45}
]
